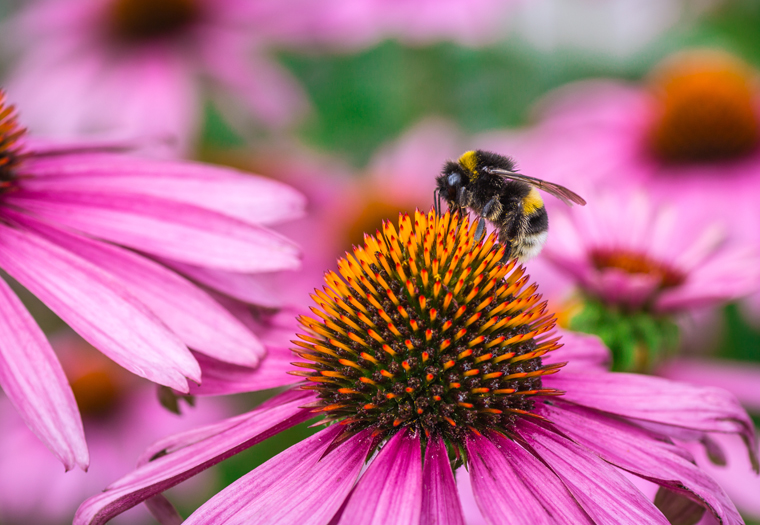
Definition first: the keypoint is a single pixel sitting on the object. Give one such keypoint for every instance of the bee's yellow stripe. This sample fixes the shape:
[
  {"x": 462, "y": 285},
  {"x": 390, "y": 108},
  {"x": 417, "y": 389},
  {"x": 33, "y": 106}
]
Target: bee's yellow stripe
[
  {"x": 470, "y": 161},
  {"x": 532, "y": 202}
]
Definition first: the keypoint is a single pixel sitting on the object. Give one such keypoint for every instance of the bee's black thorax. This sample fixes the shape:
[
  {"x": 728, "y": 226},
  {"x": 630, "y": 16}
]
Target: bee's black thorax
[{"x": 486, "y": 159}]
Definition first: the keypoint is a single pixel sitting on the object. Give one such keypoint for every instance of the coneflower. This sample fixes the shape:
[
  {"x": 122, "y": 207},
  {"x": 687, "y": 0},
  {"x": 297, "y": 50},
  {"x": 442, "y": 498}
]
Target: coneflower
[{"x": 428, "y": 352}]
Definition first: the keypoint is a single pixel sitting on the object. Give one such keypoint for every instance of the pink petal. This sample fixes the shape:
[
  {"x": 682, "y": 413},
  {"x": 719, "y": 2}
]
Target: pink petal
[
  {"x": 97, "y": 307},
  {"x": 513, "y": 487},
  {"x": 169, "y": 470},
  {"x": 657, "y": 400},
  {"x": 390, "y": 491},
  {"x": 605, "y": 495},
  {"x": 221, "y": 378},
  {"x": 440, "y": 502},
  {"x": 201, "y": 322},
  {"x": 642, "y": 453},
  {"x": 168, "y": 229},
  {"x": 300, "y": 485},
  {"x": 740, "y": 378},
  {"x": 254, "y": 288},
  {"x": 580, "y": 351},
  {"x": 249, "y": 198},
  {"x": 33, "y": 380}
]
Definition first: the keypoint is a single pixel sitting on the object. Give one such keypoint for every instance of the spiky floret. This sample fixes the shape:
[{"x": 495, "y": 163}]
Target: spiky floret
[
  {"x": 10, "y": 148},
  {"x": 427, "y": 329}
]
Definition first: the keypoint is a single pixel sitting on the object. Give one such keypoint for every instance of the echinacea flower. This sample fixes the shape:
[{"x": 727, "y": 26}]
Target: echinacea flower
[
  {"x": 96, "y": 236},
  {"x": 639, "y": 267},
  {"x": 141, "y": 67},
  {"x": 429, "y": 353}
]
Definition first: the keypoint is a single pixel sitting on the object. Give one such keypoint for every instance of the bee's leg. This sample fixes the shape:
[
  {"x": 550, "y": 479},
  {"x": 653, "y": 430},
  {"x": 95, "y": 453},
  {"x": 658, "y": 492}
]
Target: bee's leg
[
  {"x": 461, "y": 197},
  {"x": 437, "y": 201},
  {"x": 481, "y": 230}
]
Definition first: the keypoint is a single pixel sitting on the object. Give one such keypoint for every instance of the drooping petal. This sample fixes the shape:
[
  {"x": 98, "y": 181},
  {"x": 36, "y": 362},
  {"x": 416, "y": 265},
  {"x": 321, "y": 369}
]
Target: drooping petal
[
  {"x": 658, "y": 400},
  {"x": 739, "y": 378},
  {"x": 165, "y": 228},
  {"x": 166, "y": 471},
  {"x": 201, "y": 322},
  {"x": 440, "y": 502},
  {"x": 221, "y": 378},
  {"x": 736, "y": 477},
  {"x": 605, "y": 495},
  {"x": 97, "y": 307},
  {"x": 512, "y": 487},
  {"x": 299, "y": 485},
  {"x": 33, "y": 380},
  {"x": 250, "y": 198},
  {"x": 390, "y": 491},
  {"x": 642, "y": 453}
]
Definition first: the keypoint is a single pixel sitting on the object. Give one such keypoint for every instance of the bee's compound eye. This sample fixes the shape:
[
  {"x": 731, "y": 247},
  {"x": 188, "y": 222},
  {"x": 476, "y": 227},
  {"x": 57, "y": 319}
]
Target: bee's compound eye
[{"x": 454, "y": 179}]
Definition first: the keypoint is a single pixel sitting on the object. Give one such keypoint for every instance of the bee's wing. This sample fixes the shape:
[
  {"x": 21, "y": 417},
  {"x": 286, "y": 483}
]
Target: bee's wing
[{"x": 562, "y": 193}]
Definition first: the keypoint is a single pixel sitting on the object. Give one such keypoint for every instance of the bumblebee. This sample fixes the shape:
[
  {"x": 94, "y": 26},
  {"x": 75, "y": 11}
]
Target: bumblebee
[{"x": 487, "y": 184}]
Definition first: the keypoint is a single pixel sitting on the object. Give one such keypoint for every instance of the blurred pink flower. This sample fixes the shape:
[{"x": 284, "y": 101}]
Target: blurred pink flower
[
  {"x": 121, "y": 415},
  {"x": 553, "y": 451},
  {"x": 72, "y": 218},
  {"x": 141, "y": 67},
  {"x": 627, "y": 251},
  {"x": 349, "y": 24},
  {"x": 696, "y": 117},
  {"x": 690, "y": 134}
]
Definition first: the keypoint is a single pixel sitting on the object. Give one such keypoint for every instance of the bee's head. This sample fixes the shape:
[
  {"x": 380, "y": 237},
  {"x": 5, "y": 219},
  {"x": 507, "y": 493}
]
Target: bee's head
[{"x": 452, "y": 178}]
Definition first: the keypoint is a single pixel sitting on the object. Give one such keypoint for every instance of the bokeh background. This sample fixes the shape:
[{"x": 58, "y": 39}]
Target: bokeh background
[{"x": 383, "y": 98}]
